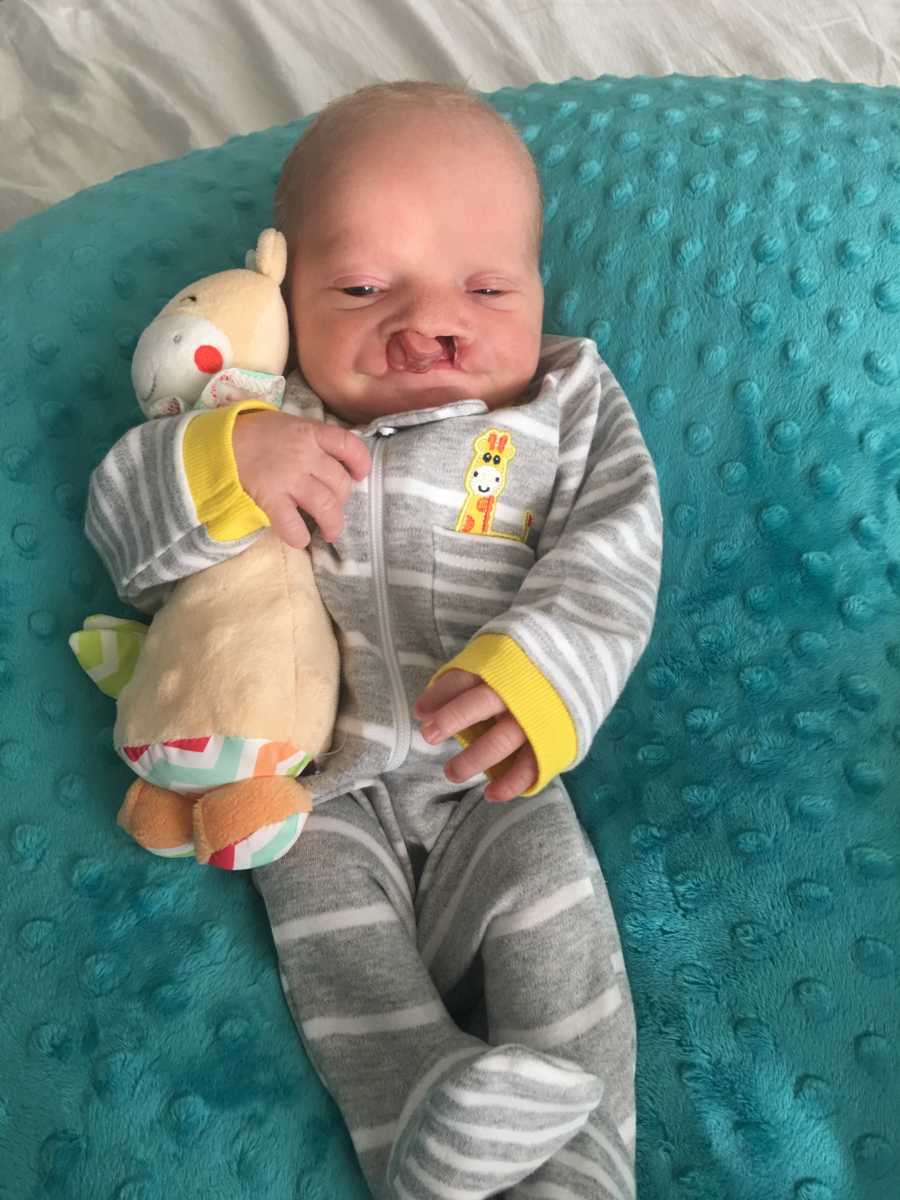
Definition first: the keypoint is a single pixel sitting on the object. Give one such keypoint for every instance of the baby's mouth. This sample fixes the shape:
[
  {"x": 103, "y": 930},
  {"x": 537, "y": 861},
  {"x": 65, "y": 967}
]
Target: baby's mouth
[
  {"x": 413, "y": 352},
  {"x": 449, "y": 345}
]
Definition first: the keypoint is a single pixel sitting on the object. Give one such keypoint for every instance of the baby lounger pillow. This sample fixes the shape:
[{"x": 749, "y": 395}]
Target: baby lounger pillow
[{"x": 733, "y": 246}]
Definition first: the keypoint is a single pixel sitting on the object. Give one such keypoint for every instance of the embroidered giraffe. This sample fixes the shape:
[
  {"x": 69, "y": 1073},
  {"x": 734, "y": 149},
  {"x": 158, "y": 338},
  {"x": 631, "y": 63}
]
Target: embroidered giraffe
[{"x": 485, "y": 480}]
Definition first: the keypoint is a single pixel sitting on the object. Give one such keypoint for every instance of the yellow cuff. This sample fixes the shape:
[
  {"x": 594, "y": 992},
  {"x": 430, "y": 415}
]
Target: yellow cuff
[
  {"x": 222, "y": 504},
  {"x": 528, "y": 695}
]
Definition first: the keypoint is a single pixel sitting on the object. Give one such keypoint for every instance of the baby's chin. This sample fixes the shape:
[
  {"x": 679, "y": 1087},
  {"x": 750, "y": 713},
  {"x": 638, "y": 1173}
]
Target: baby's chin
[{"x": 370, "y": 399}]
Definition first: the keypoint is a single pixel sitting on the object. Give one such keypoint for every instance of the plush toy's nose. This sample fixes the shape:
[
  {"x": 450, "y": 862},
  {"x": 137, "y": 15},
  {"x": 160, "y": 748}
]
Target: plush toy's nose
[
  {"x": 208, "y": 359},
  {"x": 412, "y": 351}
]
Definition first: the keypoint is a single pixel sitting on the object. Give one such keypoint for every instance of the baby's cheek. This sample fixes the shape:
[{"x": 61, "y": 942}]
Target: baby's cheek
[{"x": 318, "y": 352}]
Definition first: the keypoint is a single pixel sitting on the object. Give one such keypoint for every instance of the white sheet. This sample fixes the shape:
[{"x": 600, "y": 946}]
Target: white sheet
[{"x": 89, "y": 88}]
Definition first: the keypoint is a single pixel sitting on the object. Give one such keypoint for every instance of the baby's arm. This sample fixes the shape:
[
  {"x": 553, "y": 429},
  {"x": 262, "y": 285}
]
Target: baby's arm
[
  {"x": 170, "y": 498},
  {"x": 560, "y": 656},
  {"x": 160, "y": 507}
]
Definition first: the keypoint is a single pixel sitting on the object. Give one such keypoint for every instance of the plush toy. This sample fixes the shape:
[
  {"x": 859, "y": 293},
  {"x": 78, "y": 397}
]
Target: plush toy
[{"x": 232, "y": 689}]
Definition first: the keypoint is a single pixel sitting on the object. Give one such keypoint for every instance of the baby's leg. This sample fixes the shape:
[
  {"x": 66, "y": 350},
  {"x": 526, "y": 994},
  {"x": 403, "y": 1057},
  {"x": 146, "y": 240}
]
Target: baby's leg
[
  {"x": 379, "y": 1035},
  {"x": 520, "y": 883}
]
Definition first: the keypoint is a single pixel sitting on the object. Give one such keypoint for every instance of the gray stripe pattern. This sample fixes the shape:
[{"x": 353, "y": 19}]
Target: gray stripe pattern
[
  {"x": 141, "y": 518},
  {"x": 489, "y": 1046},
  {"x": 408, "y": 898},
  {"x": 405, "y": 586}
]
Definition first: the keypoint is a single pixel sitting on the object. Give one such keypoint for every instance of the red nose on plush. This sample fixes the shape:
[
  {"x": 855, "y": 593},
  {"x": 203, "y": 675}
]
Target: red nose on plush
[{"x": 208, "y": 359}]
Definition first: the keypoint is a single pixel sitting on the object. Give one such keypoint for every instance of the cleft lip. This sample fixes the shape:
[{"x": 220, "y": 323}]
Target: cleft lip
[
  {"x": 422, "y": 365},
  {"x": 445, "y": 359}
]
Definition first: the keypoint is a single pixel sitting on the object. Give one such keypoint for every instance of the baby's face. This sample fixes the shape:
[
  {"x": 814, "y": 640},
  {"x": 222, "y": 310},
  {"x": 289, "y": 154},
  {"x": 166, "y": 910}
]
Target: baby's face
[{"x": 414, "y": 279}]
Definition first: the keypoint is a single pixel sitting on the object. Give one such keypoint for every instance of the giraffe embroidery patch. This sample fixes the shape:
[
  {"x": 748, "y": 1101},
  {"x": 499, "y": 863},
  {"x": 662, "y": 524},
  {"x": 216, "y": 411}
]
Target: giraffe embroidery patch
[{"x": 485, "y": 480}]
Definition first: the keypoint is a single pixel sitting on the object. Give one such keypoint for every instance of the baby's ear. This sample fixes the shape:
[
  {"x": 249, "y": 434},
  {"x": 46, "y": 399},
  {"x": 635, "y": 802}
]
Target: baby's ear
[{"x": 270, "y": 256}]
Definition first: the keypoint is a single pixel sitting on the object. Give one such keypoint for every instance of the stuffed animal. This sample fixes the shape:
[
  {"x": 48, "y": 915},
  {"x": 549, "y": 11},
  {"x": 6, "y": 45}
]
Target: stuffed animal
[{"x": 232, "y": 689}]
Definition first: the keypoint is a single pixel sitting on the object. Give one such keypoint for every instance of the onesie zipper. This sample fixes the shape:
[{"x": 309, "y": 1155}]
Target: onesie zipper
[{"x": 402, "y": 722}]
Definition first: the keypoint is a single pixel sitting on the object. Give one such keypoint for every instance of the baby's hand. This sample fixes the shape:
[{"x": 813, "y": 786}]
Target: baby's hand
[
  {"x": 286, "y": 462},
  {"x": 460, "y": 699}
]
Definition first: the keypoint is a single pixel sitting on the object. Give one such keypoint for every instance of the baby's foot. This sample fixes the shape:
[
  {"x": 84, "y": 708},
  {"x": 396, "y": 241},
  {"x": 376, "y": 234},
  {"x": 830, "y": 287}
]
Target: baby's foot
[
  {"x": 483, "y": 1124},
  {"x": 594, "y": 1165}
]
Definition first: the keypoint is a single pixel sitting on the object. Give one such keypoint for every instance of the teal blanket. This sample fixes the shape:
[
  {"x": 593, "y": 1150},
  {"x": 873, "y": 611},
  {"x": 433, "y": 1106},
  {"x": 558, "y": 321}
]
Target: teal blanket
[{"x": 734, "y": 248}]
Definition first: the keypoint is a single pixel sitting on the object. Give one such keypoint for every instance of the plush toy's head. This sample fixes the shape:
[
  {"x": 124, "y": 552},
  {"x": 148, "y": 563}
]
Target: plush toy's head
[{"x": 232, "y": 319}]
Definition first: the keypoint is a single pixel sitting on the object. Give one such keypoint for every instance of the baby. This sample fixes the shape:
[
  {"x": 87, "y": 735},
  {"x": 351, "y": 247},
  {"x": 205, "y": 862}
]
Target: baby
[{"x": 484, "y": 522}]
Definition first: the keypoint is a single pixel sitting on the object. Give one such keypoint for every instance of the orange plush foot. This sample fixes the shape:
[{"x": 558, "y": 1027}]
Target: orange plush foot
[
  {"x": 158, "y": 819},
  {"x": 249, "y": 823}
]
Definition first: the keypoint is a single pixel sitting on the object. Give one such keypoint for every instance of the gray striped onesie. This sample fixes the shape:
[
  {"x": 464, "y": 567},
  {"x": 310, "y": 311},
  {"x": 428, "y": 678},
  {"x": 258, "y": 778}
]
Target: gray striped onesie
[{"x": 453, "y": 966}]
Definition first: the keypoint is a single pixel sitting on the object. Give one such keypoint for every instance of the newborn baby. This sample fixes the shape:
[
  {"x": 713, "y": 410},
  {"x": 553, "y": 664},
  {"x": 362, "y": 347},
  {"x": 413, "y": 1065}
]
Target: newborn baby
[{"x": 484, "y": 524}]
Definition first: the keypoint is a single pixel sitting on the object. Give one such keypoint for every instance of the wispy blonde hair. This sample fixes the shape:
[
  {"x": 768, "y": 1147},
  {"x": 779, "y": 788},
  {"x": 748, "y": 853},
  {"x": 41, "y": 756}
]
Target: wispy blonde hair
[{"x": 339, "y": 121}]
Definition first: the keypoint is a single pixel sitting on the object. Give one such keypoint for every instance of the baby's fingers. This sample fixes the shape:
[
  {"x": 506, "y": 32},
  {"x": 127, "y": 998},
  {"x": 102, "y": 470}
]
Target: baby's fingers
[
  {"x": 346, "y": 446},
  {"x": 492, "y": 747},
  {"x": 332, "y": 475},
  {"x": 473, "y": 705},
  {"x": 450, "y": 684},
  {"x": 287, "y": 523},
  {"x": 323, "y": 506},
  {"x": 521, "y": 775}
]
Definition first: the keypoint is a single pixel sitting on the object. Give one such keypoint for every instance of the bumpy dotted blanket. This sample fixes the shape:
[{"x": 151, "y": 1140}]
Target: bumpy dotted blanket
[{"x": 734, "y": 248}]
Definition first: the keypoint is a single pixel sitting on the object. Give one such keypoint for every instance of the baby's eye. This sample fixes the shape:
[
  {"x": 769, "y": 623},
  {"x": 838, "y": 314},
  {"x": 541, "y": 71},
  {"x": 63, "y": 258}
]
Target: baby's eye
[
  {"x": 363, "y": 289},
  {"x": 489, "y": 292}
]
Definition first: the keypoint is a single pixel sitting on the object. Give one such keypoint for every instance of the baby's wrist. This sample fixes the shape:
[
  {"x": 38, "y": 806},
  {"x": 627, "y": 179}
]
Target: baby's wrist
[{"x": 246, "y": 434}]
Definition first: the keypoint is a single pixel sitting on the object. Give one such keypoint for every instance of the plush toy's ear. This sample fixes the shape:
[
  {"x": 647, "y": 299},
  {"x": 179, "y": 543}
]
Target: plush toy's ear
[{"x": 270, "y": 256}]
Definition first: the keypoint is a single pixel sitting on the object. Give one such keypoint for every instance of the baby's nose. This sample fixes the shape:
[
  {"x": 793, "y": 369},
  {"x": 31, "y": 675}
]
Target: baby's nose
[{"x": 412, "y": 351}]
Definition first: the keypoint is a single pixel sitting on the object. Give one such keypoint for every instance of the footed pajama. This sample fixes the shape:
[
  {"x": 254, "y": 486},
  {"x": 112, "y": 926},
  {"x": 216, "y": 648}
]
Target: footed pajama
[
  {"x": 521, "y": 544},
  {"x": 475, "y": 1027}
]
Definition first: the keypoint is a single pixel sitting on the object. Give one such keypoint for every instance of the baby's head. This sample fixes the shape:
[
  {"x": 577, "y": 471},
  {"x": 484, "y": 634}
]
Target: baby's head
[{"x": 413, "y": 217}]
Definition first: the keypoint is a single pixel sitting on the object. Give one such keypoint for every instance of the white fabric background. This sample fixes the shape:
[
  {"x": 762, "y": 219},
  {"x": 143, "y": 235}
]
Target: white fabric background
[{"x": 90, "y": 88}]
